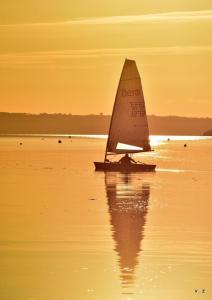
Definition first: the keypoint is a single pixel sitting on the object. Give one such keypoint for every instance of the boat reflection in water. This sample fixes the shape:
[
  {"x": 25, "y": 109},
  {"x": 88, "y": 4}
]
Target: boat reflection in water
[{"x": 128, "y": 198}]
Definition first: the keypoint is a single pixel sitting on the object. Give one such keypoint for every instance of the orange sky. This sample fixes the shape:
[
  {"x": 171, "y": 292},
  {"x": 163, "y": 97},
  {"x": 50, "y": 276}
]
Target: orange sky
[{"x": 67, "y": 56}]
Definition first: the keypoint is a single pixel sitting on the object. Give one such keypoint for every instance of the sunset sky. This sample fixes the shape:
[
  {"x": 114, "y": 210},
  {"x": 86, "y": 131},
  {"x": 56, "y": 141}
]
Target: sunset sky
[{"x": 66, "y": 56}]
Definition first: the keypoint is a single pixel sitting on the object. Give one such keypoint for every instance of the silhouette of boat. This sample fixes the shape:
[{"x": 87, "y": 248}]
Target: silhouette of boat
[{"x": 129, "y": 131}]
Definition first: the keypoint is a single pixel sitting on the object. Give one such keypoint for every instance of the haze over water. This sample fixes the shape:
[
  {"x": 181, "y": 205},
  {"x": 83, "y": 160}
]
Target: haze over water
[{"x": 68, "y": 232}]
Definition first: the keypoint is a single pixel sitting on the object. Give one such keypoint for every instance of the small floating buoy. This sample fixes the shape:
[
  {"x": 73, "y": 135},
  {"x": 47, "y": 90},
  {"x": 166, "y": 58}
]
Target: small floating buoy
[
  {"x": 59, "y": 142},
  {"x": 168, "y": 139},
  {"x": 69, "y": 136},
  {"x": 20, "y": 144},
  {"x": 185, "y": 145}
]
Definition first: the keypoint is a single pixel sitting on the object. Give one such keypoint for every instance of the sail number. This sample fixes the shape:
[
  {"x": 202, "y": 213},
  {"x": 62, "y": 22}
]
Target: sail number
[
  {"x": 137, "y": 109},
  {"x": 126, "y": 93}
]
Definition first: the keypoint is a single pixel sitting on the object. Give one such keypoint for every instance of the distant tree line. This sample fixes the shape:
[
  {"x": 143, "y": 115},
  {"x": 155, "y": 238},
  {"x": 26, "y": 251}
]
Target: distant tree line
[{"x": 24, "y": 123}]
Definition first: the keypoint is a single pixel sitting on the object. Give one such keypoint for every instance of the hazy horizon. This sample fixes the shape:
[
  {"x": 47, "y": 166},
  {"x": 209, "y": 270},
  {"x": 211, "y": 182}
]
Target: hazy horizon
[
  {"x": 98, "y": 114},
  {"x": 12, "y": 123}
]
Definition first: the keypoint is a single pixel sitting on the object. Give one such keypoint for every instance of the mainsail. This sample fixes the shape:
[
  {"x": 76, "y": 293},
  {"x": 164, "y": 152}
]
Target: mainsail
[{"x": 129, "y": 121}]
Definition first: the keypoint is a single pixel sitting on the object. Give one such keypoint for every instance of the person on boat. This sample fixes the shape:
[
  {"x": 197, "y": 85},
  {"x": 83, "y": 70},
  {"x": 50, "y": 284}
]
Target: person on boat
[{"x": 127, "y": 160}]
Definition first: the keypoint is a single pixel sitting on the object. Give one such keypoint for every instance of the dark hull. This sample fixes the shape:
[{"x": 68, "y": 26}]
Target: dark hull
[{"x": 117, "y": 167}]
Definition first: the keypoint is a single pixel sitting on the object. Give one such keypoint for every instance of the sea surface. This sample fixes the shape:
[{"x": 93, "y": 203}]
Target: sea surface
[{"x": 70, "y": 233}]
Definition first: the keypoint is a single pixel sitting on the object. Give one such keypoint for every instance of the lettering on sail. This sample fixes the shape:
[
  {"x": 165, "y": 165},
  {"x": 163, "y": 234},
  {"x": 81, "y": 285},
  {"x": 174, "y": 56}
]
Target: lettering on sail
[
  {"x": 137, "y": 109},
  {"x": 127, "y": 93}
]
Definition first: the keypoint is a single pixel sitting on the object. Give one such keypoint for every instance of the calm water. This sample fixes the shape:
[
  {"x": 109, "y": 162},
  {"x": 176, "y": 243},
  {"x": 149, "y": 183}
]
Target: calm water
[{"x": 68, "y": 232}]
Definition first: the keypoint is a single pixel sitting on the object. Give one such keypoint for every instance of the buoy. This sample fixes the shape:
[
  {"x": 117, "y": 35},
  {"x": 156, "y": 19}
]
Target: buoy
[
  {"x": 185, "y": 145},
  {"x": 59, "y": 141},
  {"x": 168, "y": 139},
  {"x": 20, "y": 144}
]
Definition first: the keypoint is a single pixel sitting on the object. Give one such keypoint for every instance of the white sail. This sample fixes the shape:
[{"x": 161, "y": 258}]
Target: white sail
[{"x": 129, "y": 121}]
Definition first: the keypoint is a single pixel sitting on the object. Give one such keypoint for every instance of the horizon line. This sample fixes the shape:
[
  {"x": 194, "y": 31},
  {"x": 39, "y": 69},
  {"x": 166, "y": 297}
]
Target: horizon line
[{"x": 100, "y": 115}]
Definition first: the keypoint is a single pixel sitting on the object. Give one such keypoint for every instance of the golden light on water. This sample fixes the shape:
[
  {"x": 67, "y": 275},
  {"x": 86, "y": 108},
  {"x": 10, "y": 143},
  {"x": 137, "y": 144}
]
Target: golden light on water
[{"x": 107, "y": 236}]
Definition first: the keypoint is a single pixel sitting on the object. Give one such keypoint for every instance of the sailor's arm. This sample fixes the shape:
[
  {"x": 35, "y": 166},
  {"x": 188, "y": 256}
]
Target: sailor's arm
[
  {"x": 120, "y": 160},
  {"x": 132, "y": 160}
]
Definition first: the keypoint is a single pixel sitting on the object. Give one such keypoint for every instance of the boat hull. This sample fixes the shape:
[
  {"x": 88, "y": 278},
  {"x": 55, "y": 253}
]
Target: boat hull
[{"x": 117, "y": 167}]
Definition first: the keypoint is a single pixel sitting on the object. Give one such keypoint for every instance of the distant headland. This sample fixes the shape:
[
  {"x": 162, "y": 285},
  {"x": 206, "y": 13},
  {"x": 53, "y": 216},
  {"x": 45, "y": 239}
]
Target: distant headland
[
  {"x": 24, "y": 123},
  {"x": 208, "y": 133}
]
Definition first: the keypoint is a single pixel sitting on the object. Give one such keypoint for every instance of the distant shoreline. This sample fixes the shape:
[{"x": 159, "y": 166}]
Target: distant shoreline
[{"x": 29, "y": 124}]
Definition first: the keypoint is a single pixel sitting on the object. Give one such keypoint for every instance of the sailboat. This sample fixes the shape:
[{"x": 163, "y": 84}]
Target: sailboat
[{"x": 129, "y": 131}]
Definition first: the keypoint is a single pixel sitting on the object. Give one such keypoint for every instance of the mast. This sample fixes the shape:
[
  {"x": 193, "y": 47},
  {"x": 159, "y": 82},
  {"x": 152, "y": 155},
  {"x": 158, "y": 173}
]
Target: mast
[{"x": 112, "y": 116}]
